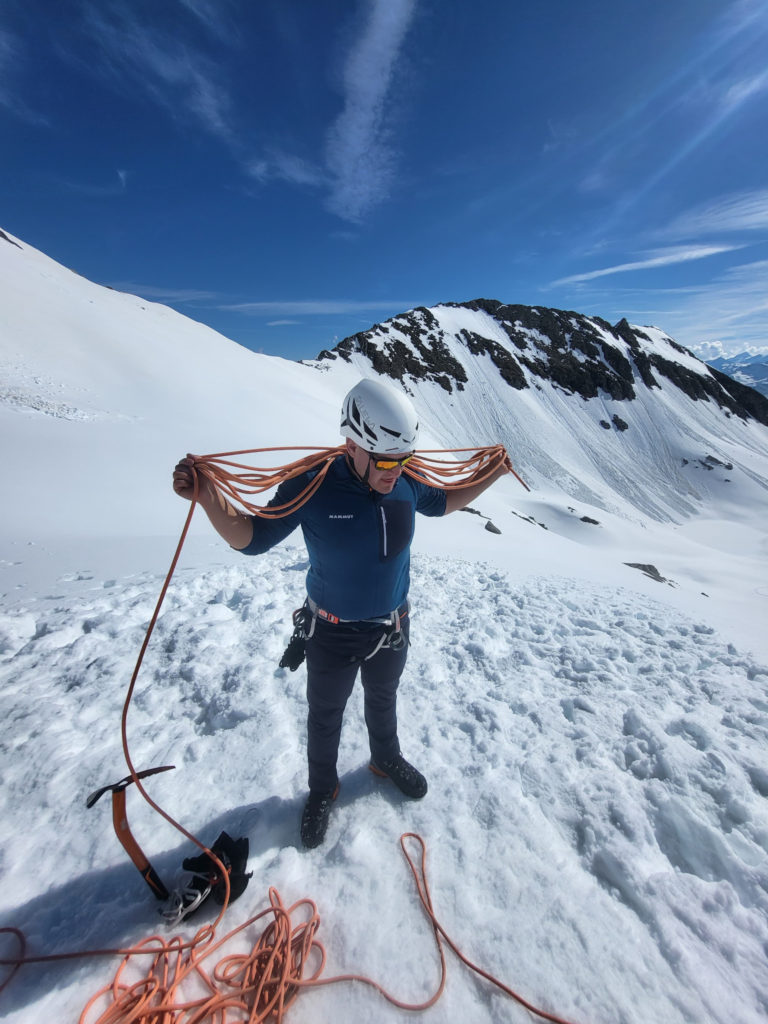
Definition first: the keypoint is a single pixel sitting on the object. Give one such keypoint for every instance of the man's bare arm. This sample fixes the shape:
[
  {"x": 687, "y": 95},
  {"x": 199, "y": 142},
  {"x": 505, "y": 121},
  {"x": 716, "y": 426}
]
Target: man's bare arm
[{"x": 233, "y": 526}]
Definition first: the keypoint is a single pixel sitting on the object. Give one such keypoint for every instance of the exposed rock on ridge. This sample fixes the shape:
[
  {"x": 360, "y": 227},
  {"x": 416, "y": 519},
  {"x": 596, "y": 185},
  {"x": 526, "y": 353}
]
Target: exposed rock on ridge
[
  {"x": 392, "y": 357},
  {"x": 585, "y": 356}
]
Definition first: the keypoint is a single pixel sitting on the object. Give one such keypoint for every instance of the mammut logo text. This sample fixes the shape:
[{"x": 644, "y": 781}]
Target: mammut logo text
[{"x": 335, "y": 515}]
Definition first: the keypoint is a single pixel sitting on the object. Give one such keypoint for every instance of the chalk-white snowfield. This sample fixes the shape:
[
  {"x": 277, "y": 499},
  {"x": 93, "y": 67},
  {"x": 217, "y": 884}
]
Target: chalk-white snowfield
[{"x": 594, "y": 733}]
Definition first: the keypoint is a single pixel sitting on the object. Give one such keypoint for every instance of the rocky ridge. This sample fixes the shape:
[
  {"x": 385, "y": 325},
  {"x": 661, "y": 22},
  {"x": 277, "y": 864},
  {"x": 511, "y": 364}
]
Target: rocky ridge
[{"x": 580, "y": 355}]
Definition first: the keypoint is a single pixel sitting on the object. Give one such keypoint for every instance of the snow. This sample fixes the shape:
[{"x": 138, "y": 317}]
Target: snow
[
  {"x": 656, "y": 340},
  {"x": 594, "y": 740}
]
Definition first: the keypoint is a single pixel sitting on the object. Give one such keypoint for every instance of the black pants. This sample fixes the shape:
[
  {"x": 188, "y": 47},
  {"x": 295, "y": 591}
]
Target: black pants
[{"x": 335, "y": 653}]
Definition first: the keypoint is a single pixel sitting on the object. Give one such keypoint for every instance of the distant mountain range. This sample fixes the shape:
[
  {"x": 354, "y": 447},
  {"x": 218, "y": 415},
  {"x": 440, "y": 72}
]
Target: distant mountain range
[{"x": 748, "y": 369}]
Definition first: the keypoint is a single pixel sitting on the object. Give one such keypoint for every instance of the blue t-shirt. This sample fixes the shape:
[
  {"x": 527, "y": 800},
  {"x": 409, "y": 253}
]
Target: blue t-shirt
[{"x": 359, "y": 541}]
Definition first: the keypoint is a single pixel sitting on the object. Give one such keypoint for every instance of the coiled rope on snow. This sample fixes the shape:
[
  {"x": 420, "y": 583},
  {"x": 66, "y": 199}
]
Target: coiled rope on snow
[{"x": 178, "y": 987}]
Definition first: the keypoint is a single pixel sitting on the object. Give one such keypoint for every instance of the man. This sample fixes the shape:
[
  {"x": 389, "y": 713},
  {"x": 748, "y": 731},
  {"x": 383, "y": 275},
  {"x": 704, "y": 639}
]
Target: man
[{"x": 358, "y": 528}]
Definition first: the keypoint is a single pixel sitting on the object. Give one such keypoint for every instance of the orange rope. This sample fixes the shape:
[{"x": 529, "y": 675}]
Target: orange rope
[
  {"x": 257, "y": 986},
  {"x": 222, "y": 473},
  {"x": 260, "y": 985}
]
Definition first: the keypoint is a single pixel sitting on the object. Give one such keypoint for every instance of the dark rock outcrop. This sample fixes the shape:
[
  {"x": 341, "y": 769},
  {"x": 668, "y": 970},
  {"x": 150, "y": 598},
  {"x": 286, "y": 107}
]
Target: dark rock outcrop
[{"x": 580, "y": 355}]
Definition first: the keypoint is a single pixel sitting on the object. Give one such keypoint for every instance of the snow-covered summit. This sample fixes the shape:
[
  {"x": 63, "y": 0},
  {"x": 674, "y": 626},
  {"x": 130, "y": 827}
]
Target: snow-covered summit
[
  {"x": 582, "y": 355},
  {"x": 620, "y": 417}
]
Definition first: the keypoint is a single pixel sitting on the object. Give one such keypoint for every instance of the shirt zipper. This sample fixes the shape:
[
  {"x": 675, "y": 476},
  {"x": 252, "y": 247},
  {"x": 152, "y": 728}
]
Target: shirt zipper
[{"x": 383, "y": 529}]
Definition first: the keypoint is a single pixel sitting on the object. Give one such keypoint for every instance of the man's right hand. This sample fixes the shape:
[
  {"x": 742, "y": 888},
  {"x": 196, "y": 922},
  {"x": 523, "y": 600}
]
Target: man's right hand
[
  {"x": 235, "y": 527},
  {"x": 184, "y": 479}
]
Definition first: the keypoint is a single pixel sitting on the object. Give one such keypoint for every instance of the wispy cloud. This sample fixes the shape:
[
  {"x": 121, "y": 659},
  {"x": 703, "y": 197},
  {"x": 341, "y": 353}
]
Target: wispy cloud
[
  {"x": 173, "y": 73},
  {"x": 658, "y": 258},
  {"x": 284, "y": 323},
  {"x": 11, "y": 59},
  {"x": 359, "y": 152},
  {"x": 743, "y": 90},
  {"x": 718, "y": 76},
  {"x": 726, "y": 99},
  {"x": 729, "y": 308},
  {"x": 213, "y": 15},
  {"x": 358, "y": 164},
  {"x": 277, "y": 165},
  {"x": 160, "y": 294},
  {"x": 102, "y": 190},
  {"x": 333, "y": 307},
  {"x": 732, "y": 310},
  {"x": 742, "y": 211}
]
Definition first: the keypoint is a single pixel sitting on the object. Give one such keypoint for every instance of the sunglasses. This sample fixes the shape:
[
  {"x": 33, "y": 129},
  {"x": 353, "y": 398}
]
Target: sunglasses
[{"x": 385, "y": 462}]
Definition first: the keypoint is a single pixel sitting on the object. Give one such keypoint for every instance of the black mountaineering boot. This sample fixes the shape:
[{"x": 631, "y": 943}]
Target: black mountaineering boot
[
  {"x": 314, "y": 820},
  {"x": 407, "y": 779}
]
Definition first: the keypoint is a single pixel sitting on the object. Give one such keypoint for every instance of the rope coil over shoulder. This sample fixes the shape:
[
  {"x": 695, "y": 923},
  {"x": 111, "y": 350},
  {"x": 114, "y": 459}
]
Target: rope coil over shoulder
[
  {"x": 258, "y": 986},
  {"x": 223, "y": 473}
]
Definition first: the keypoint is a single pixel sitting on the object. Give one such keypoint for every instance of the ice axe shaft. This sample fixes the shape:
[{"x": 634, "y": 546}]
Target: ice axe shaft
[{"x": 132, "y": 848}]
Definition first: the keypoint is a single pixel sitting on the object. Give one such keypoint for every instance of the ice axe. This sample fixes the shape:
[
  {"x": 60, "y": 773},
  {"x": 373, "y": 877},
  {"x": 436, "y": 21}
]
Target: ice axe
[
  {"x": 123, "y": 831},
  {"x": 205, "y": 878}
]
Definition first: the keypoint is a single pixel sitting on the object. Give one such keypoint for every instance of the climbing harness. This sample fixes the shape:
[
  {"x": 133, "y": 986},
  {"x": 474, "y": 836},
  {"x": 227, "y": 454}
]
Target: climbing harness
[
  {"x": 305, "y": 620},
  {"x": 287, "y": 956}
]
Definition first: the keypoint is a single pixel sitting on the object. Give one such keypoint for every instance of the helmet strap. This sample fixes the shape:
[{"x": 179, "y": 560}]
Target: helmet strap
[{"x": 364, "y": 478}]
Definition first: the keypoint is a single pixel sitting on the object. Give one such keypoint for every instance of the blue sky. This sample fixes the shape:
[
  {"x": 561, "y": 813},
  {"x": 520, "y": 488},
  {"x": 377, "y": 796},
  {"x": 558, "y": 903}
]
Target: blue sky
[{"x": 292, "y": 171}]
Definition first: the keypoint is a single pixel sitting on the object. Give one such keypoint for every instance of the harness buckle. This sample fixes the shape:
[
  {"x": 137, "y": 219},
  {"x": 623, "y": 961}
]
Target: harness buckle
[{"x": 328, "y": 616}]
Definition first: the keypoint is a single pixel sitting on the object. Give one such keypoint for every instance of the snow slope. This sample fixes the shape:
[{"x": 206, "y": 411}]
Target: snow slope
[
  {"x": 595, "y": 739},
  {"x": 100, "y": 387}
]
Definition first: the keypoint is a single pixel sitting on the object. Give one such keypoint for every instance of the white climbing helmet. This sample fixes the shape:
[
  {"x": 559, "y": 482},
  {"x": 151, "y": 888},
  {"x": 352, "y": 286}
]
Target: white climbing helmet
[{"x": 379, "y": 418}]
